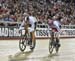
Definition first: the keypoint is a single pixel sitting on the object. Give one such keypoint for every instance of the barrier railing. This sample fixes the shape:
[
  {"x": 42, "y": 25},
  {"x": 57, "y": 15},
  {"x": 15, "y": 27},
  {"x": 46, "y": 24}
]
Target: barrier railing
[
  {"x": 40, "y": 25},
  {"x": 63, "y": 26}
]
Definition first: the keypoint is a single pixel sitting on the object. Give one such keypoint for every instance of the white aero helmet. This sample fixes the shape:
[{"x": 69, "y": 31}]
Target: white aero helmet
[{"x": 25, "y": 14}]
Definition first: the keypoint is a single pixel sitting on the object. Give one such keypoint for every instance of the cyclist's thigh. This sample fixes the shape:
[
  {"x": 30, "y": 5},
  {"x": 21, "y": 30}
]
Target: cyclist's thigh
[
  {"x": 57, "y": 34},
  {"x": 32, "y": 28}
]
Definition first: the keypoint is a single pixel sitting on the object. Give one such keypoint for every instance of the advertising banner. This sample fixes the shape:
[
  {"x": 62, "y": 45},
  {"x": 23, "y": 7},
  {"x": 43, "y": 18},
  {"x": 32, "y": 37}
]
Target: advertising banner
[{"x": 39, "y": 33}]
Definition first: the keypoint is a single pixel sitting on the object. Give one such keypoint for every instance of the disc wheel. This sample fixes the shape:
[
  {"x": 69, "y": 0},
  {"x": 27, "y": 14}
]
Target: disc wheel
[
  {"x": 57, "y": 48},
  {"x": 33, "y": 45}
]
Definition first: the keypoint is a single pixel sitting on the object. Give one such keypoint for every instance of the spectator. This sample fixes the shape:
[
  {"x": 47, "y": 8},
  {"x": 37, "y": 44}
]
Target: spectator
[{"x": 43, "y": 9}]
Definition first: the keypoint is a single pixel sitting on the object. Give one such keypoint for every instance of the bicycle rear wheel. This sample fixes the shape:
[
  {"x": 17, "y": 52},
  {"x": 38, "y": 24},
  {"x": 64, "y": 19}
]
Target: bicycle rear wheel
[
  {"x": 33, "y": 45},
  {"x": 57, "y": 45},
  {"x": 57, "y": 48}
]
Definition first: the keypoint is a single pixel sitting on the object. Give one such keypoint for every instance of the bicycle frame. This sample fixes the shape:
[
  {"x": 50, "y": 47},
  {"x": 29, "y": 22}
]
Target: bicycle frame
[
  {"x": 26, "y": 41},
  {"x": 53, "y": 43}
]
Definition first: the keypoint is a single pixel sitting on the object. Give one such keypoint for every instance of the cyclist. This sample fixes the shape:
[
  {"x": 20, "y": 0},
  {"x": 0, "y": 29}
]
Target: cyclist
[
  {"x": 29, "y": 24},
  {"x": 55, "y": 26}
]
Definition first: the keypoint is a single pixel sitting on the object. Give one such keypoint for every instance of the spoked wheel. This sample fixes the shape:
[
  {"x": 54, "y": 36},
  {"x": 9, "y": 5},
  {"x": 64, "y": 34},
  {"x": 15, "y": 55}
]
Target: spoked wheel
[
  {"x": 22, "y": 45},
  {"x": 51, "y": 47}
]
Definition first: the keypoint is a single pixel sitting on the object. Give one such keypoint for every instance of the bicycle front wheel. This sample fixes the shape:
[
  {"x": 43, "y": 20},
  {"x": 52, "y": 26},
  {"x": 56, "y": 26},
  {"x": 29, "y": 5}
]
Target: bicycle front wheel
[
  {"x": 51, "y": 47},
  {"x": 22, "y": 45}
]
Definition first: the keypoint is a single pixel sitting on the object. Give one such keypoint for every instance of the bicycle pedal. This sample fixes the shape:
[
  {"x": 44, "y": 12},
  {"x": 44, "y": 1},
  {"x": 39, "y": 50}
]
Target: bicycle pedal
[
  {"x": 59, "y": 45},
  {"x": 29, "y": 43},
  {"x": 31, "y": 47}
]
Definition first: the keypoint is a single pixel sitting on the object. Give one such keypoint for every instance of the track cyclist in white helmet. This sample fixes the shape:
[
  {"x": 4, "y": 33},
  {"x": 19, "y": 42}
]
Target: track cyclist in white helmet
[{"x": 31, "y": 21}]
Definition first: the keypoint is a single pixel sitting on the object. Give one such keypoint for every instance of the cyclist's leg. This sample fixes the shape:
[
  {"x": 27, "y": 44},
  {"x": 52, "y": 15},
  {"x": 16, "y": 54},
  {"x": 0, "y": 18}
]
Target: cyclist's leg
[
  {"x": 33, "y": 36},
  {"x": 51, "y": 42},
  {"x": 57, "y": 42},
  {"x": 57, "y": 38},
  {"x": 32, "y": 33},
  {"x": 52, "y": 35}
]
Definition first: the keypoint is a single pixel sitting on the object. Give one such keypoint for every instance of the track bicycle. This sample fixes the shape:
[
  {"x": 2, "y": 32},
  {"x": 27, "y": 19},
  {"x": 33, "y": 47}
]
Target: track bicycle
[
  {"x": 25, "y": 41},
  {"x": 53, "y": 43}
]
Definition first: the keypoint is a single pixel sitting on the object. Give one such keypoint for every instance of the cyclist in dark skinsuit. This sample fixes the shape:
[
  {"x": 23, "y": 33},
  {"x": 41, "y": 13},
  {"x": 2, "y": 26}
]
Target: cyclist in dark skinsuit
[{"x": 55, "y": 26}]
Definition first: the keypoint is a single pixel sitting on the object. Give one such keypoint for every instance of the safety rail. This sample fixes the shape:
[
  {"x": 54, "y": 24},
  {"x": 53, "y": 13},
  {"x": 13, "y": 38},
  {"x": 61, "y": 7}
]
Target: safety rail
[
  {"x": 44, "y": 25},
  {"x": 62, "y": 26}
]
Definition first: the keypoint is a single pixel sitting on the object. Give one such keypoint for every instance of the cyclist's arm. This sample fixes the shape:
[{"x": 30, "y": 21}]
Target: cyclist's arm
[
  {"x": 21, "y": 26},
  {"x": 24, "y": 22},
  {"x": 57, "y": 25}
]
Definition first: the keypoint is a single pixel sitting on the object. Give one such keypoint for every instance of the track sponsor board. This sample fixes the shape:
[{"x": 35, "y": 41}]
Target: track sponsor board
[
  {"x": 9, "y": 32},
  {"x": 40, "y": 32}
]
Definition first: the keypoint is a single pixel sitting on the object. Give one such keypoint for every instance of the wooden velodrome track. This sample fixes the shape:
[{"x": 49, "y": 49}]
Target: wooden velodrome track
[{"x": 9, "y": 51}]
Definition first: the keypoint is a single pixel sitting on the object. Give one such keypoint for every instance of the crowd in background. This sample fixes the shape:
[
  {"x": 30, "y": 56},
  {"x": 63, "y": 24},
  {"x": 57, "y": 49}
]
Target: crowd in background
[{"x": 43, "y": 10}]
